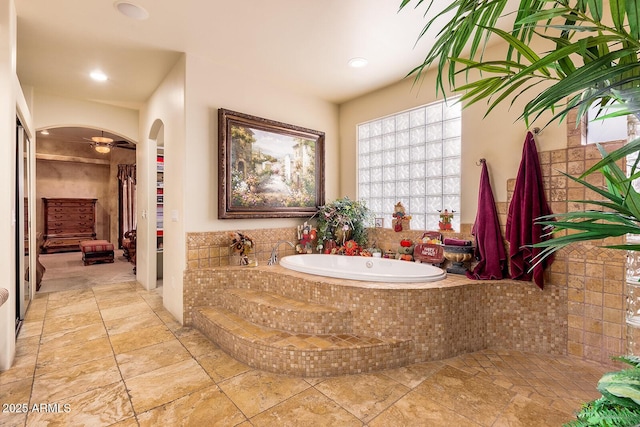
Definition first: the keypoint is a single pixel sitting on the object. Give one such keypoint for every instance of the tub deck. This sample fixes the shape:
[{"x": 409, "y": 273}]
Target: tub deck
[{"x": 372, "y": 325}]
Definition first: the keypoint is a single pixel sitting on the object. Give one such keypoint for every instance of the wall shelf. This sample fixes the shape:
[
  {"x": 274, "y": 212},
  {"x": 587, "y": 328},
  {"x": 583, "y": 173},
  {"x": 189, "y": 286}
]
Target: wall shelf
[
  {"x": 159, "y": 210},
  {"x": 160, "y": 198}
]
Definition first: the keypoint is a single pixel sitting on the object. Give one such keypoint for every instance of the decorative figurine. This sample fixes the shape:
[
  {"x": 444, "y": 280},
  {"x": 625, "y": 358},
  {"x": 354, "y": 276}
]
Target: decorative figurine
[
  {"x": 405, "y": 250},
  {"x": 400, "y": 218},
  {"x": 307, "y": 237},
  {"x": 445, "y": 220},
  {"x": 241, "y": 246}
]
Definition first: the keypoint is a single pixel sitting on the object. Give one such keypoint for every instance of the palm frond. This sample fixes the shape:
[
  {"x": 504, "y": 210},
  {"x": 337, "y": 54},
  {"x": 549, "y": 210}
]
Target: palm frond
[
  {"x": 594, "y": 62},
  {"x": 609, "y": 54}
]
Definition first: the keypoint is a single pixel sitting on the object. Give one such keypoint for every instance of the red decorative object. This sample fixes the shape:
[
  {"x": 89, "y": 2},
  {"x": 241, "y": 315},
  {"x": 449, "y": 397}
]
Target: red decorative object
[
  {"x": 330, "y": 247},
  {"x": 307, "y": 238},
  {"x": 351, "y": 248},
  {"x": 405, "y": 243},
  {"x": 429, "y": 253}
]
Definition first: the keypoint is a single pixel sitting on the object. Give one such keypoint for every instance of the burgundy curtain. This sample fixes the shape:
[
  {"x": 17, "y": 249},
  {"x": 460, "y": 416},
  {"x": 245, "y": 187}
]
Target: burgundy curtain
[{"x": 127, "y": 180}]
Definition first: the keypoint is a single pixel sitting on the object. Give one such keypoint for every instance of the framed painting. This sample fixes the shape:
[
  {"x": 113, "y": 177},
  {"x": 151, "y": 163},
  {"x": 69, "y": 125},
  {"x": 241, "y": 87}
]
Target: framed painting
[{"x": 268, "y": 169}]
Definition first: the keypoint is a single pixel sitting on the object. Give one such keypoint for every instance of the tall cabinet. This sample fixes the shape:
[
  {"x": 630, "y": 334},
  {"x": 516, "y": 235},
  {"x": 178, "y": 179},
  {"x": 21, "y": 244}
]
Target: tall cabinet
[{"x": 67, "y": 222}]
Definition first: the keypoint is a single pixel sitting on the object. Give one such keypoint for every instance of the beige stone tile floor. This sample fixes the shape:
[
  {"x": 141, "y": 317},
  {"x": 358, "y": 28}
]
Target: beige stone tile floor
[{"x": 109, "y": 354}]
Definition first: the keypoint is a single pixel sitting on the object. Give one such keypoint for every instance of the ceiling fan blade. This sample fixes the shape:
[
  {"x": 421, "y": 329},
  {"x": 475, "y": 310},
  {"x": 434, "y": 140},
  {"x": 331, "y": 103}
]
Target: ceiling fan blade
[{"x": 123, "y": 144}]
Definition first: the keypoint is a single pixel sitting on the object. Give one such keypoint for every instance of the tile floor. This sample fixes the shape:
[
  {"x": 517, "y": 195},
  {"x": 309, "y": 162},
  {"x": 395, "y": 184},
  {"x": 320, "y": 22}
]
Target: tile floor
[
  {"x": 66, "y": 271},
  {"x": 109, "y": 354}
]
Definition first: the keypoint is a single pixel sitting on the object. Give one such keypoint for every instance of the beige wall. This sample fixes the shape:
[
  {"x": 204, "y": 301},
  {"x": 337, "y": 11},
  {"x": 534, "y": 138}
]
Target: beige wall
[
  {"x": 56, "y": 111},
  {"x": 210, "y": 87},
  {"x": 10, "y": 103},
  {"x": 162, "y": 123},
  {"x": 498, "y": 138}
]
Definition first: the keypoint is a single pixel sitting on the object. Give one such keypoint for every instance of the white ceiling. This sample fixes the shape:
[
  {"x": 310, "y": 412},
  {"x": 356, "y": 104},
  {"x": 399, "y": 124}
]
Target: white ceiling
[{"x": 301, "y": 44}]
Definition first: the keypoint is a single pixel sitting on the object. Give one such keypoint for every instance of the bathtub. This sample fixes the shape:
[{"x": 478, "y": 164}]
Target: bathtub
[{"x": 363, "y": 268}]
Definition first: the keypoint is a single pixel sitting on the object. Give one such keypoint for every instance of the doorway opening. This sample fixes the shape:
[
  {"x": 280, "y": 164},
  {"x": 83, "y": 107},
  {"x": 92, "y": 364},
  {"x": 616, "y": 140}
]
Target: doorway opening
[{"x": 78, "y": 167}]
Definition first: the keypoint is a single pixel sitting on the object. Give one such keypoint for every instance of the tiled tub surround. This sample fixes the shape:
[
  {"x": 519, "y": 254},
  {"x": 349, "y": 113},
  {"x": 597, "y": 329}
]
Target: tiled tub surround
[
  {"x": 212, "y": 249},
  {"x": 588, "y": 278},
  {"x": 258, "y": 316}
]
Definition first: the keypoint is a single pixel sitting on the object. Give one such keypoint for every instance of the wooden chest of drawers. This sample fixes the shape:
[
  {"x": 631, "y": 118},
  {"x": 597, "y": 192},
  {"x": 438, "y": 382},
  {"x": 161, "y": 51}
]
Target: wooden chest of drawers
[{"x": 67, "y": 222}]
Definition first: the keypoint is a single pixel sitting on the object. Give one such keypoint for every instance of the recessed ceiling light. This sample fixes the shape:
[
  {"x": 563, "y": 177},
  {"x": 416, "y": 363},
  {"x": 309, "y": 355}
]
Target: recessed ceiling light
[
  {"x": 98, "y": 76},
  {"x": 131, "y": 10},
  {"x": 358, "y": 62},
  {"x": 44, "y": 132}
]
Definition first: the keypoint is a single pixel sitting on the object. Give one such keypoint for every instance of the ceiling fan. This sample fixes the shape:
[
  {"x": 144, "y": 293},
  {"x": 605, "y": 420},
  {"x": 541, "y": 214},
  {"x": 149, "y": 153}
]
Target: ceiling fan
[
  {"x": 103, "y": 144},
  {"x": 101, "y": 141}
]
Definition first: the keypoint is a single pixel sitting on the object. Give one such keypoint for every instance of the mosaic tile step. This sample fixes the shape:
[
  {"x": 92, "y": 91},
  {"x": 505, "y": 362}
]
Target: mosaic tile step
[
  {"x": 287, "y": 314},
  {"x": 307, "y": 355}
]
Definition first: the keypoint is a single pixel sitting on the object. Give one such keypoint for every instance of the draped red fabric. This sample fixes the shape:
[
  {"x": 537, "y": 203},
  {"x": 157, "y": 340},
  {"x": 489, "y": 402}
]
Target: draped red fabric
[
  {"x": 528, "y": 203},
  {"x": 490, "y": 252}
]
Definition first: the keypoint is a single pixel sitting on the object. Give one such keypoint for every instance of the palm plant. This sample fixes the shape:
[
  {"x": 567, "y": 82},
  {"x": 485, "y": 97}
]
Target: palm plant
[{"x": 594, "y": 62}]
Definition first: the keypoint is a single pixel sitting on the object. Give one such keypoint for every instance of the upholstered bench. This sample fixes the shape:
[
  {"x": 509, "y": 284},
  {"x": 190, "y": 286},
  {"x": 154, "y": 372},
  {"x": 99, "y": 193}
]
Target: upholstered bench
[
  {"x": 4, "y": 296},
  {"x": 96, "y": 251}
]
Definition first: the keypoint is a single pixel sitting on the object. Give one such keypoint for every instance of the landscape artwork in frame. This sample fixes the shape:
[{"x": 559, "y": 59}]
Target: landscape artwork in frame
[{"x": 268, "y": 169}]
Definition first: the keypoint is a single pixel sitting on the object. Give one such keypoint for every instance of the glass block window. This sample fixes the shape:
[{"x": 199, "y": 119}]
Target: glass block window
[
  {"x": 412, "y": 157},
  {"x": 611, "y": 129}
]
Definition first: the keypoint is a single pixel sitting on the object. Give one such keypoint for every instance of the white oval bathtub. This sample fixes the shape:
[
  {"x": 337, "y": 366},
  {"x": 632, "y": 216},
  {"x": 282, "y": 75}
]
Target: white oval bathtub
[{"x": 363, "y": 268}]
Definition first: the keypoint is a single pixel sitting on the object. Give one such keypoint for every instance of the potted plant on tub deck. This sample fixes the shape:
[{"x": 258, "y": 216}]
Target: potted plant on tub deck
[{"x": 340, "y": 223}]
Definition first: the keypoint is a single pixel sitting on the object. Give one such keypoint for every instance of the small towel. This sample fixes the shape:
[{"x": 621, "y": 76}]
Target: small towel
[
  {"x": 492, "y": 258},
  {"x": 456, "y": 242},
  {"x": 528, "y": 203}
]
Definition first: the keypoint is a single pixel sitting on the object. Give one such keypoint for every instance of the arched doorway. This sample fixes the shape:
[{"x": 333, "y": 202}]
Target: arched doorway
[
  {"x": 157, "y": 197},
  {"x": 81, "y": 162}
]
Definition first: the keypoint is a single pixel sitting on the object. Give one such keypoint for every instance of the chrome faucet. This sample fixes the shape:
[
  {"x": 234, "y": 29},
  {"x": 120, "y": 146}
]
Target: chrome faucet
[{"x": 273, "y": 259}]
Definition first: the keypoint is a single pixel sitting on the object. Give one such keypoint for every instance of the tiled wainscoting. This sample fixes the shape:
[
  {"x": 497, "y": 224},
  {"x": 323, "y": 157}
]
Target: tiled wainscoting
[{"x": 213, "y": 249}]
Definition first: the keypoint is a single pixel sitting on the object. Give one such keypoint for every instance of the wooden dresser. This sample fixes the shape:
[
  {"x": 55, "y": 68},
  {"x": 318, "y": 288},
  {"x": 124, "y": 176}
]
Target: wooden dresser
[{"x": 67, "y": 222}]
